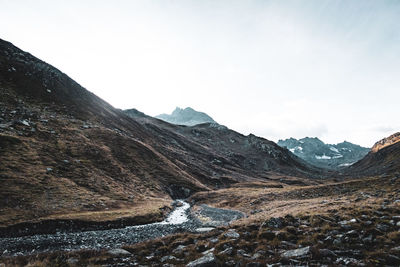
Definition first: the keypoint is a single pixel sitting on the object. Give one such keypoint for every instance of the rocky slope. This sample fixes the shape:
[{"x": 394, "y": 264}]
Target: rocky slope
[
  {"x": 351, "y": 223},
  {"x": 383, "y": 159},
  {"x": 394, "y": 138},
  {"x": 316, "y": 152},
  {"x": 187, "y": 116},
  {"x": 67, "y": 154}
]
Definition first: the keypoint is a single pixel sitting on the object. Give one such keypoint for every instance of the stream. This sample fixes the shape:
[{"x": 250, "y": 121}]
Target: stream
[{"x": 179, "y": 220}]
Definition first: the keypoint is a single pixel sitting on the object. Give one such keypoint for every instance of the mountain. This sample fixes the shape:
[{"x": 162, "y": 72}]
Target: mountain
[
  {"x": 384, "y": 158},
  {"x": 316, "y": 152},
  {"x": 187, "y": 116},
  {"x": 394, "y": 138},
  {"x": 66, "y": 154}
]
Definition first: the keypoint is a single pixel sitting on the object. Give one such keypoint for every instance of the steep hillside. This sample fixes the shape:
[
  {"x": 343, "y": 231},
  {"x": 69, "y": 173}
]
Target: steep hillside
[
  {"x": 394, "y": 138},
  {"x": 187, "y": 116},
  {"x": 215, "y": 153},
  {"x": 384, "y": 158},
  {"x": 316, "y": 152},
  {"x": 64, "y": 150},
  {"x": 65, "y": 153}
]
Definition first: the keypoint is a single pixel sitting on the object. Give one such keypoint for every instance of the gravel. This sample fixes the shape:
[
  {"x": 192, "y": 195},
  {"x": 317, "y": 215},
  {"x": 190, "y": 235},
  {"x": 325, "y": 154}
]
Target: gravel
[{"x": 113, "y": 238}]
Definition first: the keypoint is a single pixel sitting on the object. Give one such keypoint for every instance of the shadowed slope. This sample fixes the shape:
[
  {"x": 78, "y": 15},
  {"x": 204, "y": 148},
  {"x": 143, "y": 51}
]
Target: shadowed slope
[{"x": 66, "y": 151}]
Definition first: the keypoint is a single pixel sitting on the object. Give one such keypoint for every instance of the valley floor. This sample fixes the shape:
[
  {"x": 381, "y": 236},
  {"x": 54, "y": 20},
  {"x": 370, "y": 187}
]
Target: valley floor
[{"x": 349, "y": 223}]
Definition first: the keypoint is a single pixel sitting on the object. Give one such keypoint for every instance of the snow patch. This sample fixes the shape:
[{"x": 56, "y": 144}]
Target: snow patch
[
  {"x": 334, "y": 149},
  {"x": 346, "y": 164},
  {"x": 298, "y": 149},
  {"x": 323, "y": 157}
]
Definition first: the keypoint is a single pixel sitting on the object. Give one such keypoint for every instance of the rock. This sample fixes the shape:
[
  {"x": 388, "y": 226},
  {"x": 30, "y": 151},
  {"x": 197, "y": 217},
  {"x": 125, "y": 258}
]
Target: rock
[
  {"x": 71, "y": 261},
  {"x": 255, "y": 211},
  {"x": 288, "y": 244},
  {"x": 232, "y": 234},
  {"x": 179, "y": 249},
  {"x": 273, "y": 223},
  {"x": 398, "y": 224},
  {"x": 208, "y": 251},
  {"x": 258, "y": 254},
  {"x": 395, "y": 249},
  {"x": 348, "y": 261},
  {"x": 368, "y": 239},
  {"x": 348, "y": 222},
  {"x": 4, "y": 126},
  {"x": 214, "y": 240},
  {"x": 204, "y": 229},
  {"x": 337, "y": 242},
  {"x": 352, "y": 233},
  {"x": 230, "y": 263},
  {"x": 227, "y": 251},
  {"x": 25, "y": 122},
  {"x": 243, "y": 253},
  {"x": 327, "y": 253},
  {"x": 207, "y": 260},
  {"x": 392, "y": 260},
  {"x": 382, "y": 227},
  {"x": 119, "y": 252},
  {"x": 168, "y": 258},
  {"x": 296, "y": 253},
  {"x": 201, "y": 248}
]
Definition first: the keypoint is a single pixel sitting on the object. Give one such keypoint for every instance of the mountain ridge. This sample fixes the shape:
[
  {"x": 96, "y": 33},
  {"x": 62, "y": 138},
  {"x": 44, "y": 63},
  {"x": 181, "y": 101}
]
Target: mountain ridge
[
  {"x": 187, "y": 116},
  {"x": 316, "y": 152},
  {"x": 68, "y": 152}
]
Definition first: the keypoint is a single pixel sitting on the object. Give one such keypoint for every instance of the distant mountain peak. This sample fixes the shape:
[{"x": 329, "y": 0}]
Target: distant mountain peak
[
  {"x": 187, "y": 116},
  {"x": 316, "y": 152}
]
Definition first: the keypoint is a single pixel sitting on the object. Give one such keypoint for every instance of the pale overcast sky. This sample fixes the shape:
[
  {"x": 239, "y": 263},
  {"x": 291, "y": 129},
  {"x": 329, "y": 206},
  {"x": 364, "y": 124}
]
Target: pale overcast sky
[{"x": 277, "y": 69}]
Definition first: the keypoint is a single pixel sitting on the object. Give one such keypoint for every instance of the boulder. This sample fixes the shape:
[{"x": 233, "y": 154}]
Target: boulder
[
  {"x": 207, "y": 260},
  {"x": 274, "y": 223},
  {"x": 227, "y": 251},
  {"x": 297, "y": 253},
  {"x": 119, "y": 252},
  {"x": 232, "y": 234},
  {"x": 204, "y": 229},
  {"x": 168, "y": 258}
]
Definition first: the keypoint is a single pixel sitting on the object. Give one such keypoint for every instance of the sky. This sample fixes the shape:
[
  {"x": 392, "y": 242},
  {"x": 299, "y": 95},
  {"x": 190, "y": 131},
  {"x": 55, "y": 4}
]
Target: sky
[{"x": 277, "y": 69}]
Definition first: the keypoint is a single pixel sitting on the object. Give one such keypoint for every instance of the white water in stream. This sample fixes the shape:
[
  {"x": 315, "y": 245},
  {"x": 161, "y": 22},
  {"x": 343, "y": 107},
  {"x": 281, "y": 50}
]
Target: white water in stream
[{"x": 178, "y": 216}]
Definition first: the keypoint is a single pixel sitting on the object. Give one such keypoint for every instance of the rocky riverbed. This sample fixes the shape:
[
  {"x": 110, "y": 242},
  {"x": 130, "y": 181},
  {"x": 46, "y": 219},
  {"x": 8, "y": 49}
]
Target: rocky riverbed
[{"x": 181, "y": 219}]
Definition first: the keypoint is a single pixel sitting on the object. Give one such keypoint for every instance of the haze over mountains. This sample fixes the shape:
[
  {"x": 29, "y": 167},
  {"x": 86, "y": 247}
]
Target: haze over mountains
[
  {"x": 331, "y": 156},
  {"x": 59, "y": 138},
  {"x": 69, "y": 161}
]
